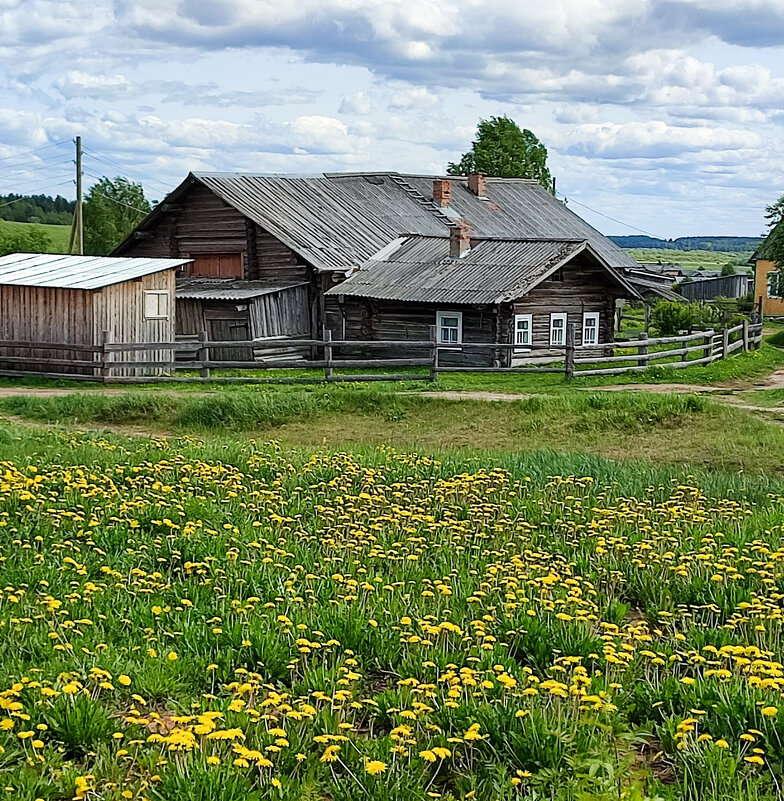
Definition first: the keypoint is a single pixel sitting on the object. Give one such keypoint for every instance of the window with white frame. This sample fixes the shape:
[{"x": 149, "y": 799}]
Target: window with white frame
[
  {"x": 591, "y": 328},
  {"x": 156, "y": 304},
  {"x": 450, "y": 327},
  {"x": 776, "y": 284},
  {"x": 558, "y": 330},
  {"x": 522, "y": 330}
]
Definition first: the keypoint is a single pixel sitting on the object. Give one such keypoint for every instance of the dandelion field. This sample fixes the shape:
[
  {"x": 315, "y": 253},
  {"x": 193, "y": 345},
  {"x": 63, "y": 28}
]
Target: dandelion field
[{"x": 240, "y": 621}]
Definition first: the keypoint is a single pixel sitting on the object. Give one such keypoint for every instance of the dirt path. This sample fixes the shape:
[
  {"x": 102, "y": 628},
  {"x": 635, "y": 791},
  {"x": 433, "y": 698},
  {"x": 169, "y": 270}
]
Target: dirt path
[{"x": 721, "y": 393}]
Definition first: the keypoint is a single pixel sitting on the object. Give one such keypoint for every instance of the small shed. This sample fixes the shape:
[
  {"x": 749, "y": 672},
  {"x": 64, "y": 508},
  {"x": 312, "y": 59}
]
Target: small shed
[
  {"x": 54, "y": 301},
  {"x": 228, "y": 309}
]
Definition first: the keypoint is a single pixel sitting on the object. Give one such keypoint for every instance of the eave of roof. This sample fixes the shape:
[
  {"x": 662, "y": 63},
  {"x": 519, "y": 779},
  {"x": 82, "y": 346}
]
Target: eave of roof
[
  {"x": 229, "y": 289},
  {"x": 61, "y": 271},
  {"x": 496, "y": 270}
]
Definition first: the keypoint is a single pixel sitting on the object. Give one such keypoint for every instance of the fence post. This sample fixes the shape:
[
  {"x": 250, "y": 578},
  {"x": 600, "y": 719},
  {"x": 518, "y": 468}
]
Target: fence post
[
  {"x": 569, "y": 354},
  {"x": 642, "y": 350},
  {"x": 204, "y": 353},
  {"x": 327, "y": 335},
  {"x": 106, "y": 356},
  {"x": 745, "y": 334},
  {"x": 434, "y": 353},
  {"x": 647, "y": 319},
  {"x": 708, "y": 352},
  {"x": 725, "y": 343}
]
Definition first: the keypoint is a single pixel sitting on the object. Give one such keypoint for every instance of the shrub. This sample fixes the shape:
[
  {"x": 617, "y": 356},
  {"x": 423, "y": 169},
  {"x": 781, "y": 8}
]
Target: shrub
[
  {"x": 670, "y": 316},
  {"x": 24, "y": 239}
]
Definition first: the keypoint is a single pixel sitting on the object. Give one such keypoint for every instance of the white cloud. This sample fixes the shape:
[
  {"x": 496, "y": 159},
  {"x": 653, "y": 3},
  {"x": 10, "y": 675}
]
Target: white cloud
[
  {"x": 642, "y": 99},
  {"x": 654, "y": 140},
  {"x": 83, "y": 84},
  {"x": 356, "y": 103},
  {"x": 415, "y": 97},
  {"x": 317, "y": 134}
]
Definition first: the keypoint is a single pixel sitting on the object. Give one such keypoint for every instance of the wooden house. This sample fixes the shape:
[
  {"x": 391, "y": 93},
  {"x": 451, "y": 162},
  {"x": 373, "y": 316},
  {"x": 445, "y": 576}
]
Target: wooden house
[
  {"x": 271, "y": 256},
  {"x": 482, "y": 289},
  {"x": 83, "y": 301},
  {"x": 768, "y": 286}
]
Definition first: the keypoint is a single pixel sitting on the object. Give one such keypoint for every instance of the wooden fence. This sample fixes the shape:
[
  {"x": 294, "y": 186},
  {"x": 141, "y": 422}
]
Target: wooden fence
[{"x": 105, "y": 363}]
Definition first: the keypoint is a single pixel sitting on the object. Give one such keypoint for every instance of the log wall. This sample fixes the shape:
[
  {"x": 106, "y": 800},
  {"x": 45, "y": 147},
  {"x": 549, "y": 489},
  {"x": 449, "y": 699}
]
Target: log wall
[
  {"x": 586, "y": 287},
  {"x": 202, "y": 223}
]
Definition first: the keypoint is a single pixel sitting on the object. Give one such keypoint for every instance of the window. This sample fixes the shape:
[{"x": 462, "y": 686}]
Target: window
[
  {"x": 775, "y": 284},
  {"x": 216, "y": 265},
  {"x": 156, "y": 304},
  {"x": 591, "y": 328},
  {"x": 522, "y": 329},
  {"x": 558, "y": 330},
  {"x": 450, "y": 327},
  {"x": 558, "y": 275}
]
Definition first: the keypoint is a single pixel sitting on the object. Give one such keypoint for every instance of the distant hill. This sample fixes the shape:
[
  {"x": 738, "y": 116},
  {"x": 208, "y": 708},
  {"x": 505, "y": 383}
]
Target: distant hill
[
  {"x": 36, "y": 209},
  {"x": 33, "y": 238},
  {"x": 725, "y": 244}
]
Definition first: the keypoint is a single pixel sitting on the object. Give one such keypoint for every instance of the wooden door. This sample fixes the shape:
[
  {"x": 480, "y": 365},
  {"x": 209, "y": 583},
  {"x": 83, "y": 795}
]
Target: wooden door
[
  {"x": 229, "y": 330},
  {"x": 217, "y": 265}
]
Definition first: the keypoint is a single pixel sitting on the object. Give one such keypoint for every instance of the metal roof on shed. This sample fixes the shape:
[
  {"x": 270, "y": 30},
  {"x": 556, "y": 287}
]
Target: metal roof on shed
[
  {"x": 61, "y": 271},
  {"x": 228, "y": 288},
  {"x": 493, "y": 271}
]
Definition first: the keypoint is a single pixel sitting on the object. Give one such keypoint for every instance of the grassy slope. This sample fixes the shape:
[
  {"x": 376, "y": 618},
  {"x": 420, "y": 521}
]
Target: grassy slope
[
  {"x": 57, "y": 233},
  {"x": 663, "y": 429},
  {"x": 692, "y": 259}
]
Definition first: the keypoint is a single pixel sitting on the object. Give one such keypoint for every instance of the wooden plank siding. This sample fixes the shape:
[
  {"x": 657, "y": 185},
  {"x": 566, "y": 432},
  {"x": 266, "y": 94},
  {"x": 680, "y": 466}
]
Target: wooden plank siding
[
  {"x": 79, "y": 317},
  {"x": 762, "y": 270},
  {"x": 119, "y": 309},
  {"x": 279, "y": 314},
  {"x": 44, "y": 314}
]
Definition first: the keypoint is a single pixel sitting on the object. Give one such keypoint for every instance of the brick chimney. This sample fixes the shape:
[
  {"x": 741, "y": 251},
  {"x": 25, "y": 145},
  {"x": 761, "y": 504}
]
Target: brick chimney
[
  {"x": 459, "y": 241},
  {"x": 442, "y": 192},
  {"x": 477, "y": 183}
]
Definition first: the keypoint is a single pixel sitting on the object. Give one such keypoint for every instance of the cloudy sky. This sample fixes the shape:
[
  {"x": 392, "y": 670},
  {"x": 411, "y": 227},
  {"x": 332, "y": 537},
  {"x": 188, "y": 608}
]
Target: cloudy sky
[{"x": 666, "y": 116}]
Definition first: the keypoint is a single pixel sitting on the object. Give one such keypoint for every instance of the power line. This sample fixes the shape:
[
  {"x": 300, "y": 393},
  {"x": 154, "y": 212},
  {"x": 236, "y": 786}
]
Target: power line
[
  {"x": 38, "y": 163},
  {"x": 607, "y": 216},
  {"x": 32, "y": 170},
  {"x": 113, "y": 162},
  {"x": 48, "y": 188},
  {"x": 145, "y": 212},
  {"x": 36, "y": 150}
]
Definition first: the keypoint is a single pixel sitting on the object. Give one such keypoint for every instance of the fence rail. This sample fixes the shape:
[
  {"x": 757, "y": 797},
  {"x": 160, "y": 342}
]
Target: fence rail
[{"x": 115, "y": 362}]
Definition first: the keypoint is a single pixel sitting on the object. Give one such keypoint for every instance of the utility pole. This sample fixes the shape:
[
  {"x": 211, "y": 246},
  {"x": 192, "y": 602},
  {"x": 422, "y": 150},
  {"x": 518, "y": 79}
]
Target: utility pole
[{"x": 76, "y": 241}]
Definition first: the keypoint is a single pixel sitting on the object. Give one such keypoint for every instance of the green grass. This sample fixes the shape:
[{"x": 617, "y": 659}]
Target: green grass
[
  {"x": 739, "y": 369},
  {"x": 58, "y": 234},
  {"x": 485, "y": 626},
  {"x": 662, "y": 428},
  {"x": 692, "y": 259}
]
